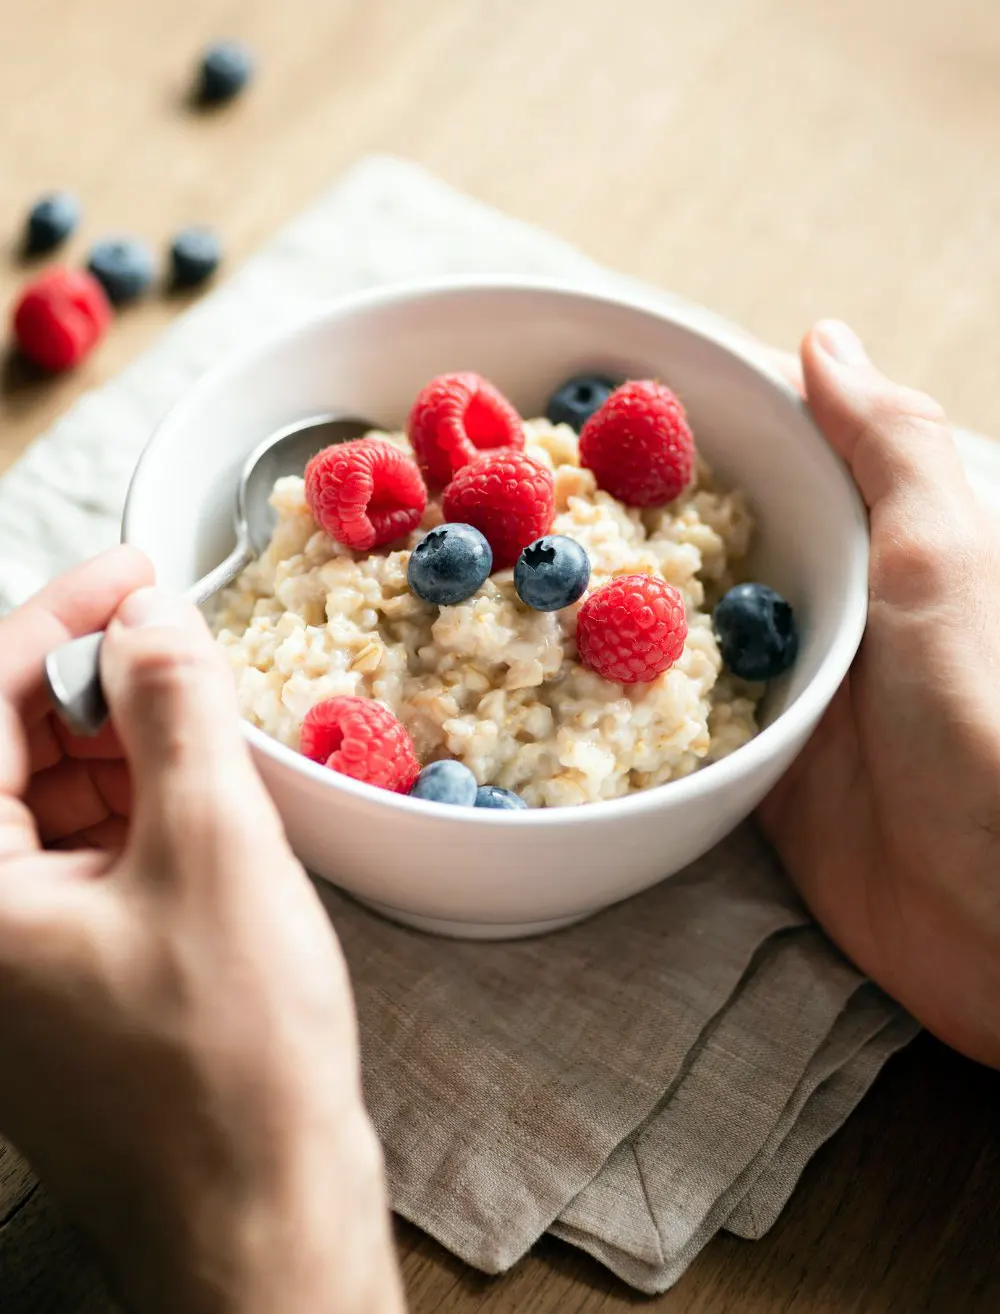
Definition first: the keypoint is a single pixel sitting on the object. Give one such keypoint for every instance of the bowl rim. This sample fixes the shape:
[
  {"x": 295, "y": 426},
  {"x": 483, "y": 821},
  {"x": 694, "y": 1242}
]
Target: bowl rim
[{"x": 738, "y": 766}]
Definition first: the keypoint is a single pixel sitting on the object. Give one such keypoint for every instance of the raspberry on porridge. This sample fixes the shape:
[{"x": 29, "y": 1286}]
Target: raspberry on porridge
[{"x": 491, "y": 682}]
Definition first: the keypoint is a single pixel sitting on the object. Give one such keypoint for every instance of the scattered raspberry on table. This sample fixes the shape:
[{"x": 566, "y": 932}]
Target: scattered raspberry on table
[
  {"x": 361, "y": 739},
  {"x": 365, "y": 493},
  {"x": 632, "y": 629},
  {"x": 639, "y": 445},
  {"x": 60, "y": 317},
  {"x": 508, "y": 497},
  {"x": 455, "y": 418}
]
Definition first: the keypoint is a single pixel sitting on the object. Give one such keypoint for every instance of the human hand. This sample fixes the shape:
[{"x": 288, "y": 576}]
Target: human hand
[
  {"x": 889, "y": 821},
  {"x": 178, "y": 1046}
]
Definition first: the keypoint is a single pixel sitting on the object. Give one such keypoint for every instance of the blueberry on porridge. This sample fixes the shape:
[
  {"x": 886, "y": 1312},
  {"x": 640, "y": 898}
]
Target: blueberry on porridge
[
  {"x": 756, "y": 631},
  {"x": 447, "y": 781},
  {"x": 578, "y": 398},
  {"x": 552, "y": 573},
  {"x": 492, "y": 796},
  {"x": 530, "y": 605},
  {"x": 449, "y": 564}
]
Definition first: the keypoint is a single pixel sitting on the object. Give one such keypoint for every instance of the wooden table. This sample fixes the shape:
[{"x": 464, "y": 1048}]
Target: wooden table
[{"x": 777, "y": 160}]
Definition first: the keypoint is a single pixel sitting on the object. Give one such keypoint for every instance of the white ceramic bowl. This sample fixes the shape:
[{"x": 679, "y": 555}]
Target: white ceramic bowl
[{"x": 479, "y": 873}]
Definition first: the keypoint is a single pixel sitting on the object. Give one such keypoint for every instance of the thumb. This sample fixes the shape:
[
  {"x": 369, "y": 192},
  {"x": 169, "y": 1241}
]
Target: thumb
[
  {"x": 173, "y": 705},
  {"x": 925, "y": 522},
  {"x": 897, "y": 442}
]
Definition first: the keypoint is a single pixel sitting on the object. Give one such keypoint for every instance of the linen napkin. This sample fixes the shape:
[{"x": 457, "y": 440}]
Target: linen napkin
[
  {"x": 626, "y": 1083},
  {"x": 633, "y": 1084}
]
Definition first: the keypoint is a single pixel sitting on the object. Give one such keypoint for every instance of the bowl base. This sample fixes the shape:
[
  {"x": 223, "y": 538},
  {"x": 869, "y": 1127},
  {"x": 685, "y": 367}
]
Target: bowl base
[{"x": 472, "y": 930}]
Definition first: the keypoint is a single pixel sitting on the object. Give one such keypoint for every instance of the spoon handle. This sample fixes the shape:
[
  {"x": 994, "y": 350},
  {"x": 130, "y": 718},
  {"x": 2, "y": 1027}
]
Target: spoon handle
[
  {"x": 224, "y": 573},
  {"x": 73, "y": 670},
  {"x": 72, "y": 673}
]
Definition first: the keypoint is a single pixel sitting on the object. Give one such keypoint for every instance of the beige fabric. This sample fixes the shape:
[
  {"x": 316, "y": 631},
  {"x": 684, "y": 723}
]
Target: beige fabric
[
  {"x": 633, "y": 1084},
  {"x": 627, "y": 1084}
]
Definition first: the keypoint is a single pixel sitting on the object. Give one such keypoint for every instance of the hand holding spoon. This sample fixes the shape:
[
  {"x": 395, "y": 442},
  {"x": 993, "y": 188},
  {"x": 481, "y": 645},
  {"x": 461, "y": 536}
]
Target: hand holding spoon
[{"x": 72, "y": 671}]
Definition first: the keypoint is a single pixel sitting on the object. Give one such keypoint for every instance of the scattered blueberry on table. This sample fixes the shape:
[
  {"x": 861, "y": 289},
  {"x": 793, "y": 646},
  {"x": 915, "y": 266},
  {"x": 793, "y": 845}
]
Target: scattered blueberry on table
[
  {"x": 552, "y": 573},
  {"x": 449, "y": 564},
  {"x": 51, "y": 220},
  {"x": 60, "y": 318},
  {"x": 446, "y": 782},
  {"x": 492, "y": 796},
  {"x": 575, "y": 401},
  {"x": 195, "y": 255},
  {"x": 226, "y": 68},
  {"x": 756, "y": 630},
  {"x": 123, "y": 266}
]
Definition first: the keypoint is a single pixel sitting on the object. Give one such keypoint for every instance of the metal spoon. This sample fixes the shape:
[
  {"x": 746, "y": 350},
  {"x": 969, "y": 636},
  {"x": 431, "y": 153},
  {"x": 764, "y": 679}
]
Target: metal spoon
[{"x": 72, "y": 671}]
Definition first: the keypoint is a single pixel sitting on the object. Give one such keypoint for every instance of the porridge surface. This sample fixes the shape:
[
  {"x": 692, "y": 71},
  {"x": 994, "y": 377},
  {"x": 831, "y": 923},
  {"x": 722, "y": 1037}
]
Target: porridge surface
[{"x": 489, "y": 681}]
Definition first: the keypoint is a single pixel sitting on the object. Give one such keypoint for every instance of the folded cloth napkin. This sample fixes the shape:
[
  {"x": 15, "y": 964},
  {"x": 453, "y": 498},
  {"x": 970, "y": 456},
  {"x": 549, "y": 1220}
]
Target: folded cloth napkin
[{"x": 633, "y": 1084}]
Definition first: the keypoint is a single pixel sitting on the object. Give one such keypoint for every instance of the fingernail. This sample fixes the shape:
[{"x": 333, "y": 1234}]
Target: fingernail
[
  {"x": 841, "y": 342},
  {"x": 153, "y": 607}
]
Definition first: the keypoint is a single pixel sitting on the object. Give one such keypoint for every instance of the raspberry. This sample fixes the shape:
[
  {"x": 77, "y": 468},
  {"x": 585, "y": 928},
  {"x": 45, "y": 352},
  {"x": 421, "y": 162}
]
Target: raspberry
[
  {"x": 60, "y": 317},
  {"x": 632, "y": 629},
  {"x": 455, "y": 418},
  {"x": 363, "y": 740},
  {"x": 639, "y": 445},
  {"x": 365, "y": 493},
  {"x": 506, "y": 496}
]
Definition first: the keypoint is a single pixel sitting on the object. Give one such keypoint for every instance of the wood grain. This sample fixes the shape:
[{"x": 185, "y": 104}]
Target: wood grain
[{"x": 777, "y": 160}]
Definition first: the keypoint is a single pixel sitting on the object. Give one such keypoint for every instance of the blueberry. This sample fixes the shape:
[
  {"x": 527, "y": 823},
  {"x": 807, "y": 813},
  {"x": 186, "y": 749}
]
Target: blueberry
[
  {"x": 578, "y": 398},
  {"x": 449, "y": 565},
  {"x": 756, "y": 631},
  {"x": 492, "y": 796},
  {"x": 195, "y": 254},
  {"x": 123, "y": 266},
  {"x": 50, "y": 221},
  {"x": 551, "y": 573},
  {"x": 226, "y": 68},
  {"x": 446, "y": 782}
]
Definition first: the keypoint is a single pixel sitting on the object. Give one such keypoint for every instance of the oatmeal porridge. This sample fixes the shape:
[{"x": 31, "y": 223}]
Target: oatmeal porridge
[{"x": 490, "y": 682}]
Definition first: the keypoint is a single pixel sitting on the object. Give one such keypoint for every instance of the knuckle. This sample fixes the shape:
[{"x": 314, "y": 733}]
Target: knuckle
[
  {"x": 898, "y": 406},
  {"x": 897, "y": 416},
  {"x": 167, "y": 666},
  {"x": 916, "y": 407},
  {"x": 177, "y": 692},
  {"x": 913, "y": 559},
  {"x": 926, "y": 560},
  {"x": 901, "y": 441}
]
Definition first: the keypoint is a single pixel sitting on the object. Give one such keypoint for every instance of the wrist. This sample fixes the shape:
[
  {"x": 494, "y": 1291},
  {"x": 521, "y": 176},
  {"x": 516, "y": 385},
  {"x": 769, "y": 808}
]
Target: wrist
[{"x": 319, "y": 1239}]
